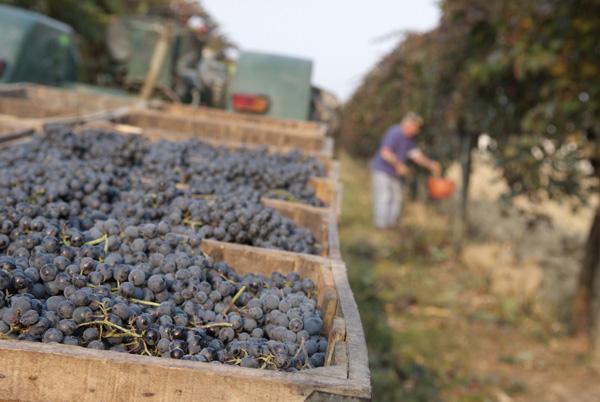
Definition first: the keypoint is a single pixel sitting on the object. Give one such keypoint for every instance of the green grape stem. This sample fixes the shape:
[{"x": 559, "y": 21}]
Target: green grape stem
[{"x": 237, "y": 296}]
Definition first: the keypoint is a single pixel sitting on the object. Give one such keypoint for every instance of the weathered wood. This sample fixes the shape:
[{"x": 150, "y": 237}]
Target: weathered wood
[
  {"x": 336, "y": 334},
  {"x": 355, "y": 336},
  {"x": 10, "y": 132},
  {"x": 329, "y": 190},
  {"x": 25, "y": 108},
  {"x": 40, "y": 372},
  {"x": 26, "y": 113},
  {"x": 17, "y": 141},
  {"x": 218, "y": 129},
  {"x": 334, "y": 170},
  {"x": 297, "y": 126},
  {"x": 65, "y": 98}
]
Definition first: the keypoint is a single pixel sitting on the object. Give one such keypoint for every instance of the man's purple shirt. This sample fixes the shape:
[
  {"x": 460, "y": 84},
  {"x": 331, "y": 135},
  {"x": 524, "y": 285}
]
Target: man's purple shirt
[{"x": 400, "y": 144}]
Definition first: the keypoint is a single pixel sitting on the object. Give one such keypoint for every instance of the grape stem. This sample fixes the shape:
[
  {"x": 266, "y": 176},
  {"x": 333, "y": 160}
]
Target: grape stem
[
  {"x": 126, "y": 332},
  {"x": 237, "y": 295},
  {"x": 148, "y": 303},
  {"x": 215, "y": 324},
  {"x": 284, "y": 193}
]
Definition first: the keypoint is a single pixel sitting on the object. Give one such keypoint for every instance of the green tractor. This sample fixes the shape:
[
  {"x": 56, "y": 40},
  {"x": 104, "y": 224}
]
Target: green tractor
[
  {"x": 38, "y": 49},
  {"x": 280, "y": 86}
]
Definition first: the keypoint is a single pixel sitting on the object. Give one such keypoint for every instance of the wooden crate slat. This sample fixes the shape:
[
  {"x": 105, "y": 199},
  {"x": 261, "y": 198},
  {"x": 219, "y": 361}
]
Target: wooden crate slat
[
  {"x": 231, "y": 131},
  {"x": 65, "y": 98},
  {"x": 355, "y": 336},
  {"x": 41, "y": 372},
  {"x": 10, "y": 132},
  {"x": 296, "y": 126}
]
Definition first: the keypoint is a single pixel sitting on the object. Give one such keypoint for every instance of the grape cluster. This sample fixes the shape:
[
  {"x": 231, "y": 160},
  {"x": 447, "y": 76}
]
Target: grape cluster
[
  {"x": 100, "y": 237},
  {"x": 147, "y": 290},
  {"x": 101, "y": 174}
]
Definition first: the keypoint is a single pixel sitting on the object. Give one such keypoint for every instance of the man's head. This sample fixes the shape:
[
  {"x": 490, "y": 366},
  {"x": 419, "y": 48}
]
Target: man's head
[{"x": 411, "y": 124}]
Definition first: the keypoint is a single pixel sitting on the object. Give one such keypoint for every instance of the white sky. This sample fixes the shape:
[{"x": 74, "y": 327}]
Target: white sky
[{"x": 344, "y": 38}]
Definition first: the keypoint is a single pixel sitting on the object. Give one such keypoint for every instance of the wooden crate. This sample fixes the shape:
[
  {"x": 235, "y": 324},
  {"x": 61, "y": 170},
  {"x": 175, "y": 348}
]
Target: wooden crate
[
  {"x": 165, "y": 125},
  {"x": 332, "y": 167},
  {"x": 28, "y": 113},
  {"x": 41, "y": 372},
  {"x": 321, "y": 221},
  {"x": 298, "y": 126},
  {"x": 37, "y": 106},
  {"x": 79, "y": 100}
]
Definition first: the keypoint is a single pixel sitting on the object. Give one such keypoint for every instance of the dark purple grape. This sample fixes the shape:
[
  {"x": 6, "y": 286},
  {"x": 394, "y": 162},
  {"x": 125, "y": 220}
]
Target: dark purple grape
[{"x": 53, "y": 335}]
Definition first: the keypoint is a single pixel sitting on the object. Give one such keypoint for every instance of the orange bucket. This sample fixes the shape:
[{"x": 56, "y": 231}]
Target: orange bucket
[{"x": 440, "y": 187}]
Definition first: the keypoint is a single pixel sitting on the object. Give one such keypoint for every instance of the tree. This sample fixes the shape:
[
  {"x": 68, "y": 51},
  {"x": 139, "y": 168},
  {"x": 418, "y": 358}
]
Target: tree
[
  {"x": 433, "y": 74},
  {"x": 543, "y": 65},
  {"x": 528, "y": 74},
  {"x": 553, "y": 50}
]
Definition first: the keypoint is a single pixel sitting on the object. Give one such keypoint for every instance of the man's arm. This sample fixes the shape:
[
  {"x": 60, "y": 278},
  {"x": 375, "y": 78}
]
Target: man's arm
[
  {"x": 390, "y": 157},
  {"x": 433, "y": 166}
]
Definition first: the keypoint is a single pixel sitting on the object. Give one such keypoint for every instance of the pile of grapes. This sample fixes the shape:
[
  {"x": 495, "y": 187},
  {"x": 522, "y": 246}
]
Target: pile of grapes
[
  {"x": 91, "y": 255},
  {"x": 196, "y": 187}
]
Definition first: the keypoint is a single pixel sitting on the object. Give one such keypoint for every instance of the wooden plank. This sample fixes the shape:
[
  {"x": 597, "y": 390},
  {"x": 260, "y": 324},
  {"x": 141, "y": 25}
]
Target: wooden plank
[
  {"x": 7, "y": 144},
  {"x": 336, "y": 334},
  {"x": 298, "y": 126},
  {"x": 25, "y": 108},
  {"x": 241, "y": 132},
  {"x": 41, "y": 372},
  {"x": 10, "y": 132},
  {"x": 72, "y": 99},
  {"x": 355, "y": 336},
  {"x": 333, "y": 238},
  {"x": 330, "y": 191},
  {"x": 23, "y": 113}
]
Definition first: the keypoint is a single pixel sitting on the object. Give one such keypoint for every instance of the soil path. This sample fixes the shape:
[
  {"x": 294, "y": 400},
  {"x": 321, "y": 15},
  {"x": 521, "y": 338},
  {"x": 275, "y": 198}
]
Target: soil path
[{"x": 528, "y": 363}]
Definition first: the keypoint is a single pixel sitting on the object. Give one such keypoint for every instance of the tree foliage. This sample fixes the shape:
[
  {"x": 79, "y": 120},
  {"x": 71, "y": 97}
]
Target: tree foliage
[
  {"x": 524, "y": 72},
  {"x": 551, "y": 50},
  {"x": 395, "y": 86},
  {"x": 527, "y": 73}
]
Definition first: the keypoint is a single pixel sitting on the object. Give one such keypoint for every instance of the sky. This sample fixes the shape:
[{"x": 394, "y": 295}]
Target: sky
[{"x": 344, "y": 38}]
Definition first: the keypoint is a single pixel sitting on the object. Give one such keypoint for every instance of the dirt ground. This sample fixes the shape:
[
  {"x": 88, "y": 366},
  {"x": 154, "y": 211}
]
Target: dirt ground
[{"x": 534, "y": 264}]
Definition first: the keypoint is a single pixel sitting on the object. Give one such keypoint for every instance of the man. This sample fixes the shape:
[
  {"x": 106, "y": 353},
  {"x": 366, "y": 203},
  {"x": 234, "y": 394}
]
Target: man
[{"x": 389, "y": 165}]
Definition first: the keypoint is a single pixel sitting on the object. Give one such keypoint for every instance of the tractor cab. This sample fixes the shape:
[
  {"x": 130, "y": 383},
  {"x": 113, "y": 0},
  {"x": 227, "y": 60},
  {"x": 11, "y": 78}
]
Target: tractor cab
[
  {"x": 35, "y": 48},
  {"x": 271, "y": 85}
]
